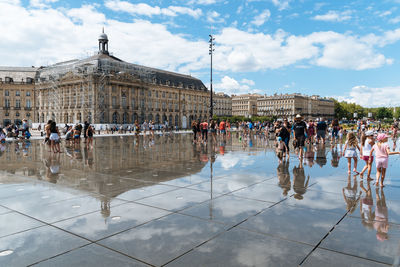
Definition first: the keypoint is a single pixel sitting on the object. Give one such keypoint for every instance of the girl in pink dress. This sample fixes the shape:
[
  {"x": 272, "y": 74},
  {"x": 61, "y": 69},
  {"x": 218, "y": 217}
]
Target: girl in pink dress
[{"x": 382, "y": 152}]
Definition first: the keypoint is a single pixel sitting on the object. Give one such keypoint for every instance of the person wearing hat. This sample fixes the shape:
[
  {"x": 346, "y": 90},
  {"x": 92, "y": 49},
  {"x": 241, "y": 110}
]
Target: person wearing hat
[
  {"x": 299, "y": 134},
  {"x": 367, "y": 142},
  {"x": 382, "y": 152}
]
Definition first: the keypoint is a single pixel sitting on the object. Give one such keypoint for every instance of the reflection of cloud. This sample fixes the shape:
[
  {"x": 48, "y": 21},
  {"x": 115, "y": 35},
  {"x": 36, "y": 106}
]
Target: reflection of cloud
[{"x": 229, "y": 161}]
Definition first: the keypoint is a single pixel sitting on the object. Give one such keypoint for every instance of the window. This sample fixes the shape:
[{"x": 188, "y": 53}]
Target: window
[
  {"x": 7, "y": 103},
  {"x": 150, "y": 104},
  {"x": 142, "y": 103},
  {"x": 28, "y": 103},
  {"x": 149, "y": 94},
  {"x": 113, "y": 88},
  {"x": 17, "y": 93},
  {"x": 123, "y": 98},
  {"x": 6, "y": 93},
  {"x": 157, "y": 94},
  {"x": 17, "y": 103},
  {"x": 142, "y": 92},
  {"x": 163, "y": 105},
  {"x": 176, "y": 96},
  {"x": 133, "y": 103},
  {"x": 28, "y": 93},
  {"x": 163, "y": 94},
  {"x": 132, "y": 91},
  {"x": 114, "y": 101}
]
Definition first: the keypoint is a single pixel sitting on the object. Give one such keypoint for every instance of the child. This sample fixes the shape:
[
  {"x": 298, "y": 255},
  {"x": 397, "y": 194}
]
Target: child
[
  {"x": 382, "y": 152},
  {"x": 2, "y": 136},
  {"x": 281, "y": 149},
  {"x": 349, "y": 151},
  {"x": 367, "y": 142}
]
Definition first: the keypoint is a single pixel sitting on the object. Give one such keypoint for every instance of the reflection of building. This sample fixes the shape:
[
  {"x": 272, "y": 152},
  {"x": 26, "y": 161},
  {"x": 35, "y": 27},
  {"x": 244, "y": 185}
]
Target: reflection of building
[
  {"x": 116, "y": 166},
  {"x": 223, "y": 104},
  {"x": 16, "y": 96},
  {"x": 245, "y": 105},
  {"x": 105, "y": 89},
  {"x": 288, "y": 105}
]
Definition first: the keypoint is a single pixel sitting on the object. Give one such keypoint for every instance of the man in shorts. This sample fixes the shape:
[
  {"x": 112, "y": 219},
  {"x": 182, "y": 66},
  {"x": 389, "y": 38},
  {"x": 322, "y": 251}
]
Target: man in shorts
[
  {"x": 322, "y": 126},
  {"x": 299, "y": 134}
]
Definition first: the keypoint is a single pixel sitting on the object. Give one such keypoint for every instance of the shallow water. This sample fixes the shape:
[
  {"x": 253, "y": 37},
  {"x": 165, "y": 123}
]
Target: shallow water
[{"x": 127, "y": 199}]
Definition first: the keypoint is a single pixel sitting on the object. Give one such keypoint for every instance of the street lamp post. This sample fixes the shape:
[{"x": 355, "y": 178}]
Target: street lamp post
[{"x": 210, "y": 52}]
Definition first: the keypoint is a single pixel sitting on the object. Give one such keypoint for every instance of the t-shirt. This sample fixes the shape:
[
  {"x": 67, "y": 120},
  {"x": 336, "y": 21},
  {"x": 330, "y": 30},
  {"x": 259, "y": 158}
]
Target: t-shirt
[
  {"x": 222, "y": 125},
  {"x": 299, "y": 128},
  {"x": 204, "y": 125},
  {"x": 321, "y": 126},
  {"x": 381, "y": 151},
  {"x": 367, "y": 148},
  {"x": 284, "y": 133}
]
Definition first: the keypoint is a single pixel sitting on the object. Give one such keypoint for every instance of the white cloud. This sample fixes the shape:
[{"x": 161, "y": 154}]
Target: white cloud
[
  {"x": 246, "y": 81},
  {"x": 243, "y": 51},
  {"x": 62, "y": 34},
  {"x": 373, "y": 97},
  {"x": 281, "y": 4},
  {"x": 214, "y": 17},
  {"x": 40, "y": 3},
  {"x": 147, "y": 10},
  {"x": 261, "y": 18},
  {"x": 231, "y": 86},
  {"x": 395, "y": 20},
  {"x": 202, "y": 2},
  {"x": 334, "y": 16}
]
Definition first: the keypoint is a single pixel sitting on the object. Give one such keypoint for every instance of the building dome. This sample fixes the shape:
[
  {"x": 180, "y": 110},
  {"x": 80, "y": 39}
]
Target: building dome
[{"x": 103, "y": 36}]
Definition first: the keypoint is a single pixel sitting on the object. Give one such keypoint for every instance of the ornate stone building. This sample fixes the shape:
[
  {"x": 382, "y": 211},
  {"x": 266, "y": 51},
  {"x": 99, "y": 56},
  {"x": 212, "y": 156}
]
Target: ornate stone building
[
  {"x": 104, "y": 89},
  {"x": 222, "y": 104},
  {"x": 17, "y": 98},
  {"x": 245, "y": 105},
  {"x": 289, "y": 105}
]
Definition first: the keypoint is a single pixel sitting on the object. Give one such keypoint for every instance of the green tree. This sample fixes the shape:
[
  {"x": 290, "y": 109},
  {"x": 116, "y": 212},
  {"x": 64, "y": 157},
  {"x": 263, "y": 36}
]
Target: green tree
[{"x": 383, "y": 112}]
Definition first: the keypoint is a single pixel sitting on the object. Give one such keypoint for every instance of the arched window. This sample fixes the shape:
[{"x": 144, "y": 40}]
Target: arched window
[
  {"x": 125, "y": 118},
  {"x": 115, "y": 117}
]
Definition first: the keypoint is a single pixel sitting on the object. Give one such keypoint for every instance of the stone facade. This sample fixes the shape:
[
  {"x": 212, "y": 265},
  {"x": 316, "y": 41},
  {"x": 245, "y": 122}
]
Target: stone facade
[
  {"x": 17, "y": 99},
  {"x": 288, "y": 105},
  {"x": 222, "y": 105},
  {"x": 104, "y": 89},
  {"x": 245, "y": 105}
]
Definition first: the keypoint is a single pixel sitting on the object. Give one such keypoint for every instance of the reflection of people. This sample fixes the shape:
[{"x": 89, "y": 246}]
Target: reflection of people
[
  {"x": 284, "y": 177},
  {"x": 310, "y": 154},
  {"x": 367, "y": 215},
  {"x": 381, "y": 224},
  {"x": 335, "y": 157},
  {"x": 350, "y": 194},
  {"x": 52, "y": 167},
  {"x": 299, "y": 182},
  {"x": 321, "y": 156}
]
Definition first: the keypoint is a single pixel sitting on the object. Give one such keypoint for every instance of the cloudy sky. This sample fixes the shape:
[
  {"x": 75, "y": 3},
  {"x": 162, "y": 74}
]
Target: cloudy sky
[{"x": 343, "y": 48}]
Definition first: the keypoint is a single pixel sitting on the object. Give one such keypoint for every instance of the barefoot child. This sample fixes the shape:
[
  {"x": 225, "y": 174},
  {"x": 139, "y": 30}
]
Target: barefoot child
[
  {"x": 281, "y": 149},
  {"x": 382, "y": 152},
  {"x": 367, "y": 142},
  {"x": 349, "y": 151}
]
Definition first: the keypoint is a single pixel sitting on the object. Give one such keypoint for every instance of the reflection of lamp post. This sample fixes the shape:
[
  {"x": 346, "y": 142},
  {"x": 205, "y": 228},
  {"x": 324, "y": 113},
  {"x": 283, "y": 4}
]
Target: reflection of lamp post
[{"x": 210, "y": 52}]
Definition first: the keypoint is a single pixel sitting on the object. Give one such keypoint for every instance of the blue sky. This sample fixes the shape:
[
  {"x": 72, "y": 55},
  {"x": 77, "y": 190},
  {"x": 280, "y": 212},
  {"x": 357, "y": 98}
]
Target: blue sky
[{"x": 345, "y": 49}]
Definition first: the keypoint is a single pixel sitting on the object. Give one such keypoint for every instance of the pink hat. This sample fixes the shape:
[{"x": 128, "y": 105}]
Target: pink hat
[{"x": 381, "y": 136}]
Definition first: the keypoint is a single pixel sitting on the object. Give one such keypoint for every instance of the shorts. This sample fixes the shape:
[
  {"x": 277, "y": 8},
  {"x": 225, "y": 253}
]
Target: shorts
[
  {"x": 321, "y": 134},
  {"x": 77, "y": 136},
  {"x": 382, "y": 162},
  {"x": 299, "y": 141},
  {"x": 366, "y": 158},
  {"x": 279, "y": 154},
  {"x": 54, "y": 137},
  {"x": 350, "y": 153},
  {"x": 223, "y": 131}
]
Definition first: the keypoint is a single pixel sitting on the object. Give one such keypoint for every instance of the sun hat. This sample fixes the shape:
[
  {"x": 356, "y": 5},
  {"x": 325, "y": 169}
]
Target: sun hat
[
  {"x": 369, "y": 133},
  {"x": 298, "y": 116},
  {"x": 381, "y": 136}
]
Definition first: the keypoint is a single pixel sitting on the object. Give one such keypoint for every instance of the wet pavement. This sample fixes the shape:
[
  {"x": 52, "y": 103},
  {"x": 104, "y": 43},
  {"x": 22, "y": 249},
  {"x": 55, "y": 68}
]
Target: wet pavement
[{"x": 131, "y": 201}]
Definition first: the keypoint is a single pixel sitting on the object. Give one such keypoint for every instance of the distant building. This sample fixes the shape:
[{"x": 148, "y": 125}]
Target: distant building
[
  {"x": 288, "y": 105},
  {"x": 245, "y": 105},
  {"x": 222, "y": 105},
  {"x": 101, "y": 89}
]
